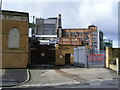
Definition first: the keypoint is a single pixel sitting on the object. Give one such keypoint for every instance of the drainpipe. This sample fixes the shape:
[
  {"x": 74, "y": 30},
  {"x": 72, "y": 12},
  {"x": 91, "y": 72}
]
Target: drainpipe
[{"x": 98, "y": 41}]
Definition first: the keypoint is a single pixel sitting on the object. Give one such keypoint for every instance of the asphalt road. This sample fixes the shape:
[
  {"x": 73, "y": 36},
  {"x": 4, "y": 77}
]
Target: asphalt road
[{"x": 104, "y": 84}]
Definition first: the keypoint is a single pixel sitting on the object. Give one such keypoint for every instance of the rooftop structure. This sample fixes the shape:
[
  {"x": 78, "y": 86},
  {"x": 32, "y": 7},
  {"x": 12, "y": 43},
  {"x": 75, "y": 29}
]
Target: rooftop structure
[{"x": 46, "y": 29}]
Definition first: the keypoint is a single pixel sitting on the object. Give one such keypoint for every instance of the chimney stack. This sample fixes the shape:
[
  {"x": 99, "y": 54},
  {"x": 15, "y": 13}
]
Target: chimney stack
[
  {"x": 59, "y": 29},
  {"x": 59, "y": 21}
]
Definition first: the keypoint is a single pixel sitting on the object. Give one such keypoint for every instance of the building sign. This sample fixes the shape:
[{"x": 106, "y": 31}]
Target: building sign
[
  {"x": 66, "y": 40},
  {"x": 74, "y": 40}
]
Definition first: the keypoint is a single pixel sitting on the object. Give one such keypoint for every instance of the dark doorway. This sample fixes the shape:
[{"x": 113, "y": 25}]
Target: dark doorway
[{"x": 67, "y": 59}]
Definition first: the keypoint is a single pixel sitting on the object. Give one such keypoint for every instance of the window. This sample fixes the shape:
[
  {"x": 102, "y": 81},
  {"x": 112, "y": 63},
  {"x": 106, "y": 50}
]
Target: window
[
  {"x": 73, "y": 33},
  {"x": 94, "y": 38},
  {"x": 87, "y": 43},
  {"x": 94, "y": 43},
  {"x": 87, "y": 33},
  {"x": 49, "y": 29},
  {"x": 87, "y": 38},
  {"x": 94, "y": 33},
  {"x": 14, "y": 38},
  {"x": 80, "y": 33},
  {"x": 101, "y": 37},
  {"x": 48, "y": 32},
  {"x": 67, "y": 34}
]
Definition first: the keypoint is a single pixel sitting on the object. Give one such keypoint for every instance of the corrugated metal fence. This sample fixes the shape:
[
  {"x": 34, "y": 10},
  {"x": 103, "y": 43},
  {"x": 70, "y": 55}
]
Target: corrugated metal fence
[
  {"x": 96, "y": 59},
  {"x": 89, "y": 58},
  {"x": 80, "y": 57}
]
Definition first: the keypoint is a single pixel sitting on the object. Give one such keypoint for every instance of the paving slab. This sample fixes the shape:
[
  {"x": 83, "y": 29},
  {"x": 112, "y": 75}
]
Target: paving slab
[{"x": 13, "y": 77}]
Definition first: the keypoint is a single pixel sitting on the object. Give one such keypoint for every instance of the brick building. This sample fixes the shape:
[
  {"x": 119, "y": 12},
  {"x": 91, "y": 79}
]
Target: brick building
[
  {"x": 90, "y": 37},
  {"x": 14, "y": 36},
  {"x": 65, "y": 54}
]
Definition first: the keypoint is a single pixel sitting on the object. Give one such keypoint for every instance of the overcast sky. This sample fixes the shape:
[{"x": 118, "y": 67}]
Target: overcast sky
[{"x": 75, "y": 13}]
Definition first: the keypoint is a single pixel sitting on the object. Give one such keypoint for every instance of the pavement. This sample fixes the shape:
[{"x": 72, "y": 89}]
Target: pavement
[
  {"x": 13, "y": 77},
  {"x": 60, "y": 77},
  {"x": 69, "y": 75}
]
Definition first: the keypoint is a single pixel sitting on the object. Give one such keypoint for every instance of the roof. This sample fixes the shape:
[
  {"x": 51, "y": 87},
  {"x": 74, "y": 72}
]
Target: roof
[
  {"x": 92, "y": 26},
  {"x": 53, "y": 18},
  {"x": 7, "y": 12},
  {"x": 75, "y": 28}
]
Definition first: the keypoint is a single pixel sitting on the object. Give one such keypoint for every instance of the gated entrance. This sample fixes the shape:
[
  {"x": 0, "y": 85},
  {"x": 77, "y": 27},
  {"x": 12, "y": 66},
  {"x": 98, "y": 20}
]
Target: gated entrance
[
  {"x": 96, "y": 59},
  {"x": 80, "y": 57},
  {"x": 89, "y": 58},
  {"x": 43, "y": 54}
]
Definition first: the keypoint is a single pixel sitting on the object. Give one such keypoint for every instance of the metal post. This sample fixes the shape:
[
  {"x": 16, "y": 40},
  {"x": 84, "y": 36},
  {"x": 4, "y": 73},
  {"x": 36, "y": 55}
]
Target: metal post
[
  {"x": 1, "y": 5},
  {"x": 87, "y": 60},
  {"x": 33, "y": 27},
  {"x": 84, "y": 38},
  {"x": 98, "y": 40}
]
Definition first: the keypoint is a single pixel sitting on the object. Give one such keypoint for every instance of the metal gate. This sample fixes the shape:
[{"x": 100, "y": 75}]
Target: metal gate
[
  {"x": 89, "y": 58},
  {"x": 42, "y": 54},
  {"x": 96, "y": 59},
  {"x": 80, "y": 57}
]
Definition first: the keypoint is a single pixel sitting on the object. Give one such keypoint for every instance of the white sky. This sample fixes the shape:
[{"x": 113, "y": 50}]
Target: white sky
[{"x": 75, "y": 13}]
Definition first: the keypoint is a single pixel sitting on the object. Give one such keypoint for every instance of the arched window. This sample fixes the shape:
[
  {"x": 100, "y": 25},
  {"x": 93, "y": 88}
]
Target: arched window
[{"x": 14, "y": 38}]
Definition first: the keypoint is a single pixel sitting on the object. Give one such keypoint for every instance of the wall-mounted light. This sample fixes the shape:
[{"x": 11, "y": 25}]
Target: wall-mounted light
[{"x": 61, "y": 56}]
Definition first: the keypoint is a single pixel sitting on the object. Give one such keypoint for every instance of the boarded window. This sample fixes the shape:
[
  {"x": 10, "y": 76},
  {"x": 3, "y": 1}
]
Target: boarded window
[{"x": 14, "y": 38}]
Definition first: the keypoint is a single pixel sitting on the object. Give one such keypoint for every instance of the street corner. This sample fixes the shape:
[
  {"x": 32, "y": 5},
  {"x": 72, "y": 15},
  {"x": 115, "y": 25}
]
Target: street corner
[{"x": 14, "y": 77}]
